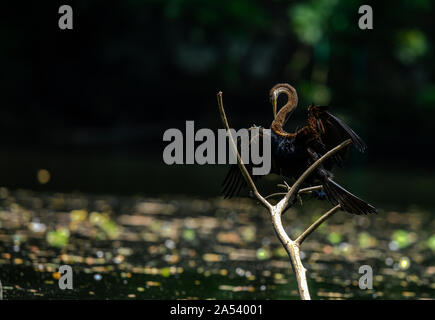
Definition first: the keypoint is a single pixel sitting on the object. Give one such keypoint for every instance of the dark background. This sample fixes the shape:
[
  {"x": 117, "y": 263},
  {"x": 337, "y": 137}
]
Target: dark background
[{"x": 90, "y": 105}]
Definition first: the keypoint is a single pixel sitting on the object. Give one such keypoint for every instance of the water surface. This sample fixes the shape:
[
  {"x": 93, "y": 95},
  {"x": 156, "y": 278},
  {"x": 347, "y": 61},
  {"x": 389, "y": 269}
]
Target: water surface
[{"x": 141, "y": 247}]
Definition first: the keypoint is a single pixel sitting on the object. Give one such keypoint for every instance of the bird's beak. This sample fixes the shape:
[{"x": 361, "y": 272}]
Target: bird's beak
[{"x": 274, "y": 98}]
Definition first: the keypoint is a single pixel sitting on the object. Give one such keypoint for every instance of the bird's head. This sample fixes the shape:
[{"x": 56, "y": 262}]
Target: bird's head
[{"x": 282, "y": 88}]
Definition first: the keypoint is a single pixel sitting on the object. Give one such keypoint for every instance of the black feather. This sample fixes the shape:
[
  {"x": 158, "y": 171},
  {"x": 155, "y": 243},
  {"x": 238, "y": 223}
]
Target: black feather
[
  {"x": 358, "y": 142},
  {"x": 348, "y": 202}
]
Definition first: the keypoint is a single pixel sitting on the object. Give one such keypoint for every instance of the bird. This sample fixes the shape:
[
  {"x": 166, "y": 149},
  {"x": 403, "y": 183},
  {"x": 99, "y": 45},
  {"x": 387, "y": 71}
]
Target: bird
[{"x": 294, "y": 152}]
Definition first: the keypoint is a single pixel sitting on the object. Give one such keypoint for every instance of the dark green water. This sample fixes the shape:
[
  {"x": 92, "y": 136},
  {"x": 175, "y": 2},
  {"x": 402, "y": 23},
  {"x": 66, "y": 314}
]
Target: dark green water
[{"x": 176, "y": 248}]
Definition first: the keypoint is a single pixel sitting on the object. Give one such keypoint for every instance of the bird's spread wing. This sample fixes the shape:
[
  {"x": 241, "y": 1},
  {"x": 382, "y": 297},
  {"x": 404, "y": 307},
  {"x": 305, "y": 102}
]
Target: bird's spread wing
[
  {"x": 234, "y": 181},
  {"x": 334, "y": 131},
  {"x": 345, "y": 131}
]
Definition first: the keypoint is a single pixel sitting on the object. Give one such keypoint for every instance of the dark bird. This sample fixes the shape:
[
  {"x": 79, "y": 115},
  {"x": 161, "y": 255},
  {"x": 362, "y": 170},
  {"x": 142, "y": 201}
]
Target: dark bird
[{"x": 293, "y": 153}]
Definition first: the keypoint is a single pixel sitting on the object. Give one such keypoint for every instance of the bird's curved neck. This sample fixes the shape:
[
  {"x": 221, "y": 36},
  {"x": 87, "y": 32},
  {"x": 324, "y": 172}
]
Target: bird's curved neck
[{"x": 281, "y": 117}]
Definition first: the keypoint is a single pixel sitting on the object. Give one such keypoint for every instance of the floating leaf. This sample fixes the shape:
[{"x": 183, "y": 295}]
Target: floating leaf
[
  {"x": 165, "y": 272},
  {"x": 78, "y": 215},
  {"x": 334, "y": 238},
  {"x": 189, "y": 234},
  {"x": 58, "y": 238},
  {"x": 431, "y": 242},
  {"x": 402, "y": 238},
  {"x": 365, "y": 240},
  {"x": 263, "y": 254}
]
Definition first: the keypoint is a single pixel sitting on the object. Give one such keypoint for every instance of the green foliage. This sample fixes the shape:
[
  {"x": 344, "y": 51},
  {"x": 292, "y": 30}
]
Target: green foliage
[
  {"x": 426, "y": 96},
  {"x": 411, "y": 45},
  {"x": 309, "y": 20},
  {"x": 315, "y": 93},
  {"x": 215, "y": 12}
]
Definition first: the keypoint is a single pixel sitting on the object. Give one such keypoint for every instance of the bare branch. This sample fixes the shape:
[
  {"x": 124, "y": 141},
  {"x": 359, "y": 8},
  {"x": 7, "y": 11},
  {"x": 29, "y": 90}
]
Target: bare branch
[
  {"x": 275, "y": 195},
  {"x": 284, "y": 185},
  {"x": 309, "y": 189},
  {"x": 304, "y": 190},
  {"x": 242, "y": 167},
  {"x": 316, "y": 224}
]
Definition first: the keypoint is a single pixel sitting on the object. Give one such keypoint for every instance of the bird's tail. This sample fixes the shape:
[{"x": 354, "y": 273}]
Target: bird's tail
[{"x": 348, "y": 202}]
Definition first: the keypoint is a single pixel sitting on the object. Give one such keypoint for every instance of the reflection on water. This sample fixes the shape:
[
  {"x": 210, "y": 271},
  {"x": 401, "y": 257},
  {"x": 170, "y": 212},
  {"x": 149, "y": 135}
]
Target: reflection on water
[{"x": 150, "y": 248}]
